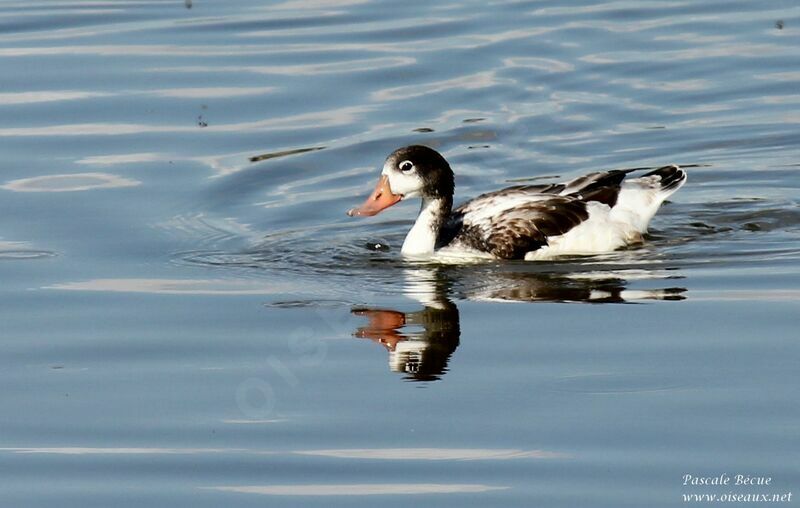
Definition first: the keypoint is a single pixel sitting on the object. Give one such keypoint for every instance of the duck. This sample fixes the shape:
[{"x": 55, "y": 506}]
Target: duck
[{"x": 593, "y": 214}]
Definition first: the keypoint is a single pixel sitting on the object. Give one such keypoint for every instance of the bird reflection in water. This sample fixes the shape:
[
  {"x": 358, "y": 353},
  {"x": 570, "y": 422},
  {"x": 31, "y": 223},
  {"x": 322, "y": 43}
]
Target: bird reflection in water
[
  {"x": 421, "y": 353},
  {"x": 420, "y": 343}
]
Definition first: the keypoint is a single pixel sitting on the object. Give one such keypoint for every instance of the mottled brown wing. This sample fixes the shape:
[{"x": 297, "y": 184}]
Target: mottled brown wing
[
  {"x": 514, "y": 232},
  {"x": 488, "y": 199},
  {"x": 601, "y": 186}
]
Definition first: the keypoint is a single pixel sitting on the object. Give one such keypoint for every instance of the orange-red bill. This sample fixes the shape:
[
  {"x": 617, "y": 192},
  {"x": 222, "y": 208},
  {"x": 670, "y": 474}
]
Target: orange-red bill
[{"x": 380, "y": 199}]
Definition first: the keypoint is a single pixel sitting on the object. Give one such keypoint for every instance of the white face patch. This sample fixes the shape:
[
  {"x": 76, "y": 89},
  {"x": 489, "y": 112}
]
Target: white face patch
[{"x": 409, "y": 184}]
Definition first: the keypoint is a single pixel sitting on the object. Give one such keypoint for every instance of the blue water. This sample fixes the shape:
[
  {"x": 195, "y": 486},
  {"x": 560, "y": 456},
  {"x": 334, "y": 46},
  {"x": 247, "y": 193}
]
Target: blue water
[{"x": 188, "y": 318}]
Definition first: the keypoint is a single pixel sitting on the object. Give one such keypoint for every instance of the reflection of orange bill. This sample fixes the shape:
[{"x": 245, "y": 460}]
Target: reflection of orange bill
[{"x": 382, "y": 327}]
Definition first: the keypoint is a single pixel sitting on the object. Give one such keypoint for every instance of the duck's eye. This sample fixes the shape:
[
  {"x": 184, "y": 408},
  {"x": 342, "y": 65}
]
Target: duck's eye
[{"x": 406, "y": 166}]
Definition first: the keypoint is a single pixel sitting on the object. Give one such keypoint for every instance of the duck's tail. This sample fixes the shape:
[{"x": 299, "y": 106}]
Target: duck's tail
[
  {"x": 640, "y": 198},
  {"x": 669, "y": 179}
]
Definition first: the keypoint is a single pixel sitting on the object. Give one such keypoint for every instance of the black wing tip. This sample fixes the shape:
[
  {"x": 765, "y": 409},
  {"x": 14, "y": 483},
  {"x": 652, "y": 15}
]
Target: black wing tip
[
  {"x": 602, "y": 187},
  {"x": 672, "y": 176}
]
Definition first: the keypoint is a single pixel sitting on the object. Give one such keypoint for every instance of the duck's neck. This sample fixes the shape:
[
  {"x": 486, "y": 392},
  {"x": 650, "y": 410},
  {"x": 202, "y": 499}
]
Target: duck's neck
[{"x": 421, "y": 240}]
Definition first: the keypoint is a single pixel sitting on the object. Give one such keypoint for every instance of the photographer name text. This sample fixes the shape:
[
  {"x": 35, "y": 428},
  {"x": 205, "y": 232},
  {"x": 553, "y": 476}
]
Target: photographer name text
[{"x": 726, "y": 479}]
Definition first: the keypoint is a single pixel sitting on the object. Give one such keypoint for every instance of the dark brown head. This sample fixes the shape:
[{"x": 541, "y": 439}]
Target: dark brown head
[{"x": 410, "y": 171}]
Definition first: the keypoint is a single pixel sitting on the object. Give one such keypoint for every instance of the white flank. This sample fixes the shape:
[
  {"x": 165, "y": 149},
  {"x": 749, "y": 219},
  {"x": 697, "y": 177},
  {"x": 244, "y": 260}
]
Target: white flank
[{"x": 597, "y": 234}]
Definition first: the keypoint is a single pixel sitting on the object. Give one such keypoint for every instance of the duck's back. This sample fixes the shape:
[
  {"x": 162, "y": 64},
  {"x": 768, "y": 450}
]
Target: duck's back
[{"x": 598, "y": 212}]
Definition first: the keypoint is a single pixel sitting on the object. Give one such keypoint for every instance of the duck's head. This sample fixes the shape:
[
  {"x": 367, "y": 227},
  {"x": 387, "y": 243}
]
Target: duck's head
[{"x": 408, "y": 172}]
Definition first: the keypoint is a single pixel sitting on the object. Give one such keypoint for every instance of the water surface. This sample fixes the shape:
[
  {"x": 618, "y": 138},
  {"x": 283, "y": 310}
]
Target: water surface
[{"x": 190, "y": 319}]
